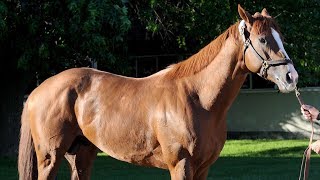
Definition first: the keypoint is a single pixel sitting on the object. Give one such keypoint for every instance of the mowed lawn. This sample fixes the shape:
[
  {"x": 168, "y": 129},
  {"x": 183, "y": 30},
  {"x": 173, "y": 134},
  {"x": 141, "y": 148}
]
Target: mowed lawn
[{"x": 240, "y": 159}]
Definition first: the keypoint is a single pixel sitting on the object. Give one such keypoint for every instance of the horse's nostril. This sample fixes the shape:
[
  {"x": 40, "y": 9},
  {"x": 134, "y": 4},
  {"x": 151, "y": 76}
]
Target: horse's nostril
[{"x": 289, "y": 77}]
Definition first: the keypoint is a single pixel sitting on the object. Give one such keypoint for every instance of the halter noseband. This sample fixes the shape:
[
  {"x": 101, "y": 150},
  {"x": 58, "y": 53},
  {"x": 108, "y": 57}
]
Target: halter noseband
[{"x": 266, "y": 63}]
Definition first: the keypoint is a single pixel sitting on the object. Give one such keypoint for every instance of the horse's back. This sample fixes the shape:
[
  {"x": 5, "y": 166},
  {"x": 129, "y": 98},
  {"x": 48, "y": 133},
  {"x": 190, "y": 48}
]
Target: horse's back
[{"x": 76, "y": 79}]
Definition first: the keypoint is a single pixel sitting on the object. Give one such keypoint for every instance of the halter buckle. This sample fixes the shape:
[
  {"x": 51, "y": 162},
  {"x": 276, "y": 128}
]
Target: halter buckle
[
  {"x": 265, "y": 64},
  {"x": 242, "y": 30},
  {"x": 264, "y": 69},
  {"x": 247, "y": 42}
]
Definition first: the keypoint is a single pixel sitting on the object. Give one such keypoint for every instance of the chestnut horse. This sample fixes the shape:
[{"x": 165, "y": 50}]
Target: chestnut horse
[{"x": 174, "y": 119}]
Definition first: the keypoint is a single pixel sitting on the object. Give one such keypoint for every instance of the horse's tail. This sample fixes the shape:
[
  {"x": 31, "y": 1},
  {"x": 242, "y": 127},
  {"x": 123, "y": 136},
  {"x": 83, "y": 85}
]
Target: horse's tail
[{"x": 27, "y": 165}]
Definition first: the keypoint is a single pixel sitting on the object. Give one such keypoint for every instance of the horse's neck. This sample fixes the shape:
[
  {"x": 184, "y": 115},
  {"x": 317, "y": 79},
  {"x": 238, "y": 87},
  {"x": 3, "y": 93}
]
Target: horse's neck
[{"x": 220, "y": 82}]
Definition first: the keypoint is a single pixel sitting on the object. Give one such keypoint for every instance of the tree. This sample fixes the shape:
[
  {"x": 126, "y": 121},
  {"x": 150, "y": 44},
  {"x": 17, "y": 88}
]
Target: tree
[
  {"x": 187, "y": 26},
  {"x": 50, "y": 36},
  {"x": 183, "y": 25}
]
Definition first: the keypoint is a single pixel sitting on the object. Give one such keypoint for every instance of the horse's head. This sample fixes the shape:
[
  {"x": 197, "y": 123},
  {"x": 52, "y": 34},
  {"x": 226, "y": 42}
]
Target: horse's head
[{"x": 263, "y": 49}]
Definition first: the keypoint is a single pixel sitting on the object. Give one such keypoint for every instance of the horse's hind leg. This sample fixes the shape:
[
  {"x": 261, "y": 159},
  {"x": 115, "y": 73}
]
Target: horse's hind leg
[
  {"x": 50, "y": 150},
  {"x": 81, "y": 160},
  {"x": 48, "y": 163}
]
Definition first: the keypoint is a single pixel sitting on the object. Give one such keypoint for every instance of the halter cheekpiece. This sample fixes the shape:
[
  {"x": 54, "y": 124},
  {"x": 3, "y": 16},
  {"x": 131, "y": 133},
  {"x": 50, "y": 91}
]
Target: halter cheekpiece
[{"x": 266, "y": 63}]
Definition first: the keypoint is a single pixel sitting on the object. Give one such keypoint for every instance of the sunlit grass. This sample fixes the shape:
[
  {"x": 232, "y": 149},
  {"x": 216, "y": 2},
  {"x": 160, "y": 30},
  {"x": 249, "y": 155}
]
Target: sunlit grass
[{"x": 264, "y": 148}]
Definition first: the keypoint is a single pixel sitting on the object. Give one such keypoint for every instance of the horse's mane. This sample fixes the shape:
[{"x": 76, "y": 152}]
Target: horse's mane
[{"x": 203, "y": 58}]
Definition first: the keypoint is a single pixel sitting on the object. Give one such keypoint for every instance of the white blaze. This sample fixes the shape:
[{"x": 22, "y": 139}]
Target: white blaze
[
  {"x": 292, "y": 70},
  {"x": 241, "y": 27},
  {"x": 276, "y": 36}
]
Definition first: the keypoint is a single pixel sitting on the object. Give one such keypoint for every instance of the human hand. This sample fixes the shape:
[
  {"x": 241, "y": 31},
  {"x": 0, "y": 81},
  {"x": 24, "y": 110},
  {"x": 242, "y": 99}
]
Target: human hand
[
  {"x": 316, "y": 146},
  {"x": 309, "y": 112}
]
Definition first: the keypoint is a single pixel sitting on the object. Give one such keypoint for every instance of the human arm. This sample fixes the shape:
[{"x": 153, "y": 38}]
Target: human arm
[
  {"x": 310, "y": 112},
  {"x": 316, "y": 146}
]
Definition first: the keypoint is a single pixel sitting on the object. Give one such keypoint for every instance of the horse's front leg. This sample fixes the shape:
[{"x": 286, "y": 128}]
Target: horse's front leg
[
  {"x": 182, "y": 170},
  {"x": 202, "y": 173},
  {"x": 179, "y": 162}
]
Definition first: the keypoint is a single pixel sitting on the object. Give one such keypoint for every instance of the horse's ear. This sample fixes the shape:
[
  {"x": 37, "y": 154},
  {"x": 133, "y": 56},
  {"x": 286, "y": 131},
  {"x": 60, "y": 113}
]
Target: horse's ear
[
  {"x": 245, "y": 15},
  {"x": 264, "y": 12}
]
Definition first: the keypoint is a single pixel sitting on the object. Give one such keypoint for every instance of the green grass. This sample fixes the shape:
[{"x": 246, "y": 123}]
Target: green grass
[
  {"x": 264, "y": 148},
  {"x": 239, "y": 160}
]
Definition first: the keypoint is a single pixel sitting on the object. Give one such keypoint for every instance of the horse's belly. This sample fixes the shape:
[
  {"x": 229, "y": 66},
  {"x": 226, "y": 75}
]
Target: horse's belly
[
  {"x": 145, "y": 157},
  {"x": 138, "y": 146}
]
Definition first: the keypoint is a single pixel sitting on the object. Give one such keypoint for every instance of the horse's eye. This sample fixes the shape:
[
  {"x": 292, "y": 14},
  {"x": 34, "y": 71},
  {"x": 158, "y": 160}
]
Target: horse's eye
[{"x": 263, "y": 40}]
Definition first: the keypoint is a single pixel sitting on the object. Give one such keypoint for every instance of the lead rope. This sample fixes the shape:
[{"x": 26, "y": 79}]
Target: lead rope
[{"x": 307, "y": 153}]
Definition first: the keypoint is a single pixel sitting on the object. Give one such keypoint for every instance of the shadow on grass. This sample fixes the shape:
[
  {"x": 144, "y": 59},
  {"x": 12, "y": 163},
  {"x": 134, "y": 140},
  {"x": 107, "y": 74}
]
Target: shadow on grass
[
  {"x": 262, "y": 168},
  {"x": 106, "y": 167}
]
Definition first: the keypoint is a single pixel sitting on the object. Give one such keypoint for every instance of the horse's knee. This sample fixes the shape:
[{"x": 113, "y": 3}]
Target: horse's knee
[{"x": 182, "y": 170}]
